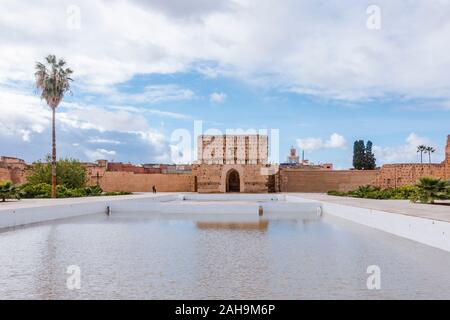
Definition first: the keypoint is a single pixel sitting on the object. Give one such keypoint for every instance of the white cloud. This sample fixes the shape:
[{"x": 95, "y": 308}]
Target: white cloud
[
  {"x": 26, "y": 135},
  {"x": 24, "y": 118},
  {"x": 336, "y": 141},
  {"x": 168, "y": 114},
  {"x": 97, "y": 140},
  {"x": 154, "y": 94},
  {"x": 326, "y": 51},
  {"x": 100, "y": 154},
  {"x": 217, "y": 97},
  {"x": 403, "y": 153},
  {"x": 154, "y": 138},
  {"x": 22, "y": 115},
  {"x": 311, "y": 143},
  {"x": 144, "y": 110},
  {"x": 91, "y": 117},
  {"x": 187, "y": 9}
]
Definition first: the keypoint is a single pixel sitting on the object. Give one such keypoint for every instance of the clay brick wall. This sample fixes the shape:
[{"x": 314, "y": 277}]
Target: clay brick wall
[
  {"x": 446, "y": 162},
  {"x": 136, "y": 182},
  {"x": 254, "y": 181},
  {"x": 295, "y": 180},
  {"x": 395, "y": 175},
  {"x": 18, "y": 175},
  {"x": 208, "y": 178},
  {"x": 13, "y": 169},
  {"x": 212, "y": 178},
  {"x": 232, "y": 149},
  {"x": 4, "y": 174},
  {"x": 126, "y": 167},
  {"x": 447, "y": 151}
]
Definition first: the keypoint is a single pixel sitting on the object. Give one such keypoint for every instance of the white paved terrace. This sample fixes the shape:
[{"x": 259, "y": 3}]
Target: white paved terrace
[
  {"x": 30, "y": 203},
  {"x": 406, "y": 207}
]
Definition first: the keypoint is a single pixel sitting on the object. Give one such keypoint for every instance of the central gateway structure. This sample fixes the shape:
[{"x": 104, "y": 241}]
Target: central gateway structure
[{"x": 233, "y": 163}]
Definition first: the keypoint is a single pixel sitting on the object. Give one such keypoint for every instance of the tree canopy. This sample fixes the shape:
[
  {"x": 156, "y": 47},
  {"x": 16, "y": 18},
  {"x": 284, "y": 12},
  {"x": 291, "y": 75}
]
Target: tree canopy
[
  {"x": 363, "y": 157},
  {"x": 53, "y": 80},
  {"x": 71, "y": 173}
]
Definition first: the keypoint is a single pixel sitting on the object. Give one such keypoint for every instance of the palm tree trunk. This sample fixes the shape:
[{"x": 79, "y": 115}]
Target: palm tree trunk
[
  {"x": 53, "y": 154},
  {"x": 429, "y": 157},
  {"x": 421, "y": 161}
]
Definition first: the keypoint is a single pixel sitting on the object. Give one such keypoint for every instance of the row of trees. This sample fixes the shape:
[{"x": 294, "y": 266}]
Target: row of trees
[
  {"x": 427, "y": 150},
  {"x": 363, "y": 157}
]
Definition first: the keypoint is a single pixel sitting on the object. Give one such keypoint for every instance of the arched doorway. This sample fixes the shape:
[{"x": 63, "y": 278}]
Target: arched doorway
[{"x": 233, "y": 181}]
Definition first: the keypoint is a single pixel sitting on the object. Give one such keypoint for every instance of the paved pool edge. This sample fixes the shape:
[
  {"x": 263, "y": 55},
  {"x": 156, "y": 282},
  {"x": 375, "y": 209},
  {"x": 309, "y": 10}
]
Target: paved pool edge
[
  {"x": 428, "y": 231},
  {"x": 434, "y": 233},
  {"x": 21, "y": 216}
]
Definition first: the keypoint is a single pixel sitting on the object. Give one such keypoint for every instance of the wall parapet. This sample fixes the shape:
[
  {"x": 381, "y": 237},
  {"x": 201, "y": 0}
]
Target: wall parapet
[{"x": 300, "y": 180}]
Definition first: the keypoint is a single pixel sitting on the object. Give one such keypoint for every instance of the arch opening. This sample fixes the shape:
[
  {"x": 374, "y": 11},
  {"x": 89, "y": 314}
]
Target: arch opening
[{"x": 233, "y": 181}]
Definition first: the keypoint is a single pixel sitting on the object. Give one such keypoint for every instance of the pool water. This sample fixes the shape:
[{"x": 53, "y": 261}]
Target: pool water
[{"x": 136, "y": 255}]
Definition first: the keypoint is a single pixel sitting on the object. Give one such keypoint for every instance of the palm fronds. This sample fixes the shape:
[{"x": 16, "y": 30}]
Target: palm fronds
[
  {"x": 52, "y": 80},
  {"x": 8, "y": 191},
  {"x": 430, "y": 189}
]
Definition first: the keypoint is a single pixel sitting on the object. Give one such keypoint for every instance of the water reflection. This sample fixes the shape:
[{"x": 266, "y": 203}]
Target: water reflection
[
  {"x": 208, "y": 257},
  {"x": 260, "y": 225}
]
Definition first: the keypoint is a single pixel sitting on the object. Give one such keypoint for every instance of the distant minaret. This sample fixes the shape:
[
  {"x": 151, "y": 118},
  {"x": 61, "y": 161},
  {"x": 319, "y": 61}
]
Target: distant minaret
[
  {"x": 293, "y": 151},
  {"x": 293, "y": 158}
]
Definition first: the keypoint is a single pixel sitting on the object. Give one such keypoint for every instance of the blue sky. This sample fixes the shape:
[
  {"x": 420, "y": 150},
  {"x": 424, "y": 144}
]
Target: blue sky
[{"x": 314, "y": 70}]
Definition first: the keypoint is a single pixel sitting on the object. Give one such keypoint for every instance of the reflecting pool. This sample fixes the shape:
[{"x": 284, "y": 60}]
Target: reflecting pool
[{"x": 136, "y": 255}]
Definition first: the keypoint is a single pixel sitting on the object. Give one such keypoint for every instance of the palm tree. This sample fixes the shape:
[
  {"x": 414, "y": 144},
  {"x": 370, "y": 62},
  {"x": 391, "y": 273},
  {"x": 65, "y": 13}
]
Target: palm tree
[
  {"x": 53, "y": 81},
  {"x": 429, "y": 150},
  {"x": 421, "y": 149},
  {"x": 430, "y": 189},
  {"x": 8, "y": 191}
]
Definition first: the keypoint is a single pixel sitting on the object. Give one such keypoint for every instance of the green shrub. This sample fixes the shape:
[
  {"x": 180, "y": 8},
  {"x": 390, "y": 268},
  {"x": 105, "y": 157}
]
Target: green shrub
[
  {"x": 404, "y": 192},
  {"x": 372, "y": 192},
  {"x": 93, "y": 191},
  {"x": 365, "y": 192},
  {"x": 8, "y": 191},
  {"x": 43, "y": 190},
  {"x": 69, "y": 172},
  {"x": 430, "y": 189},
  {"x": 40, "y": 190},
  {"x": 71, "y": 180},
  {"x": 116, "y": 193},
  {"x": 336, "y": 193},
  {"x": 63, "y": 192}
]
